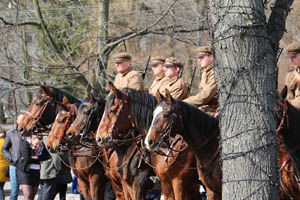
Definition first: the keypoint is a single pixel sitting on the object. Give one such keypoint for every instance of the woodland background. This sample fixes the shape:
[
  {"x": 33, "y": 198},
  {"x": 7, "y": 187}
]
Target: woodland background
[{"x": 69, "y": 44}]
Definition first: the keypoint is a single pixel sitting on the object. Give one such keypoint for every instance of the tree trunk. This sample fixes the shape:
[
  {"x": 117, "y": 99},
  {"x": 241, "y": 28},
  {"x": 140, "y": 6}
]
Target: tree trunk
[
  {"x": 246, "y": 73},
  {"x": 99, "y": 82},
  {"x": 27, "y": 66}
]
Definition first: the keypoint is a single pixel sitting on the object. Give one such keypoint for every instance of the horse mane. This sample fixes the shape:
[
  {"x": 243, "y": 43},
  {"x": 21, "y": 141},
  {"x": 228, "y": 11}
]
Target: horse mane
[
  {"x": 199, "y": 120},
  {"x": 58, "y": 95},
  {"x": 142, "y": 106}
]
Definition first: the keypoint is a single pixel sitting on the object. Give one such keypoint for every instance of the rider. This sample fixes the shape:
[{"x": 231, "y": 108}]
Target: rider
[
  {"x": 126, "y": 77},
  {"x": 157, "y": 64},
  {"x": 292, "y": 80},
  {"x": 205, "y": 99},
  {"x": 176, "y": 86}
]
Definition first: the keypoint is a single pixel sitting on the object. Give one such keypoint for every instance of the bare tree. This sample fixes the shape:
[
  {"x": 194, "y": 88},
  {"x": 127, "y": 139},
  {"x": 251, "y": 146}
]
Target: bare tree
[{"x": 246, "y": 46}]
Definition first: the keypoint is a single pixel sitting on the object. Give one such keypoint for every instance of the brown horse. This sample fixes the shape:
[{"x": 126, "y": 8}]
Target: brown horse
[
  {"x": 128, "y": 114},
  {"x": 289, "y": 148},
  {"x": 84, "y": 161},
  {"x": 43, "y": 110},
  {"x": 84, "y": 126},
  {"x": 198, "y": 129}
]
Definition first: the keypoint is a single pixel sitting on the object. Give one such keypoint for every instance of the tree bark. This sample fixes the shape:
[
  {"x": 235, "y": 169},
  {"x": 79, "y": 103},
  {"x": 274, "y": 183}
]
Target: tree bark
[
  {"x": 245, "y": 64},
  {"x": 99, "y": 80}
]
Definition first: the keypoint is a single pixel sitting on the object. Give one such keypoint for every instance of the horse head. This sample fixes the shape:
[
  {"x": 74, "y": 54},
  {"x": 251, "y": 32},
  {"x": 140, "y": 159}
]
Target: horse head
[
  {"x": 57, "y": 136},
  {"x": 40, "y": 113},
  {"x": 166, "y": 121},
  {"x": 88, "y": 116},
  {"x": 115, "y": 120}
]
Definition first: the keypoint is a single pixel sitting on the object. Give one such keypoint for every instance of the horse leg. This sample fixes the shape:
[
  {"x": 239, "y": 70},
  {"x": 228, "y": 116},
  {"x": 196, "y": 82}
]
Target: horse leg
[
  {"x": 84, "y": 189},
  {"x": 167, "y": 190},
  {"x": 97, "y": 186}
]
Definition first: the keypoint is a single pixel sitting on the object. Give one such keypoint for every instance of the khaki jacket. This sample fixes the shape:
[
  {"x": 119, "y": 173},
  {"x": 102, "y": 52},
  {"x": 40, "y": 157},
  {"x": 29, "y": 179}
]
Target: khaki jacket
[
  {"x": 207, "y": 91},
  {"x": 130, "y": 79},
  {"x": 292, "y": 81},
  {"x": 157, "y": 83},
  {"x": 176, "y": 86}
]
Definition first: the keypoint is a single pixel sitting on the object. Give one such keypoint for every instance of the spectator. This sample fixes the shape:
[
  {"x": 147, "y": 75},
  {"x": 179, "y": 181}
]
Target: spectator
[
  {"x": 4, "y": 165},
  {"x": 11, "y": 151},
  {"x": 63, "y": 177},
  {"x": 49, "y": 170},
  {"x": 32, "y": 152}
]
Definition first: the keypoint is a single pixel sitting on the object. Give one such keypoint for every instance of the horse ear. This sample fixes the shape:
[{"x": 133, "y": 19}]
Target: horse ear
[
  {"x": 169, "y": 96},
  {"x": 159, "y": 96},
  {"x": 283, "y": 93},
  {"x": 113, "y": 89},
  {"x": 46, "y": 90},
  {"x": 91, "y": 98},
  {"x": 65, "y": 100}
]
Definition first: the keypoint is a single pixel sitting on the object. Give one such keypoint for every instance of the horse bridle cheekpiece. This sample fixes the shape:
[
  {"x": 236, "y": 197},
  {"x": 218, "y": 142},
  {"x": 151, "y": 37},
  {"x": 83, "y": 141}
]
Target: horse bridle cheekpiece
[
  {"x": 284, "y": 117},
  {"x": 176, "y": 115},
  {"x": 37, "y": 123}
]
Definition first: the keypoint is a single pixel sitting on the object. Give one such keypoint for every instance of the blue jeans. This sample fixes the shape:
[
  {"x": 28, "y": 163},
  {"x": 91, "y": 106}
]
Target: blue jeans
[{"x": 14, "y": 183}]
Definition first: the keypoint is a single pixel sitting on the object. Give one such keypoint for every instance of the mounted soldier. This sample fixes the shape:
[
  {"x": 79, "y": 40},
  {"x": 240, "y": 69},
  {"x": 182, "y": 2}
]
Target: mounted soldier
[
  {"x": 126, "y": 77},
  {"x": 177, "y": 87},
  {"x": 292, "y": 80},
  {"x": 205, "y": 99},
  {"x": 157, "y": 66}
]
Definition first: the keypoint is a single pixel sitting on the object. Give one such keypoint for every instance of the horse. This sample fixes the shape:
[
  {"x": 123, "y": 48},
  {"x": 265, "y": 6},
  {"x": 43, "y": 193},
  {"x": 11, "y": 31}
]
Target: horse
[
  {"x": 84, "y": 161},
  {"x": 288, "y": 121},
  {"x": 128, "y": 114},
  {"x": 84, "y": 126},
  {"x": 198, "y": 129},
  {"x": 42, "y": 111}
]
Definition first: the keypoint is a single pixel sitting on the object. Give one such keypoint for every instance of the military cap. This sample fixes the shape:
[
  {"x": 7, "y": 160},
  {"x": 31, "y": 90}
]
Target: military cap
[
  {"x": 292, "y": 49},
  {"x": 121, "y": 57},
  {"x": 171, "y": 61},
  {"x": 203, "y": 50},
  {"x": 157, "y": 60}
]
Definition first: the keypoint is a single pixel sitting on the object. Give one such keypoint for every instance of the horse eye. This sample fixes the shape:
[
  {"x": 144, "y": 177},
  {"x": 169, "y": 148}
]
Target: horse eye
[
  {"x": 39, "y": 104},
  {"x": 113, "y": 111},
  {"x": 166, "y": 115},
  {"x": 86, "y": 112}
]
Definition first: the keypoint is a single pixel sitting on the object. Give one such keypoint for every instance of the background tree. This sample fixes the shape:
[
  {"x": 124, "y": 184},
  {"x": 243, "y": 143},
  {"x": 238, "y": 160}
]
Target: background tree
[{"x": 246, "y": 46}]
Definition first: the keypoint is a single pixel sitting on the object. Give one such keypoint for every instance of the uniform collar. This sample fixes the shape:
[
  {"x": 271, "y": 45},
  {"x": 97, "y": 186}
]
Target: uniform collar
[
  {"x": 173, "y": 80},
  {"x": 159, "y": 77},
  {"x": 126, "y": 72},
  {"x": 208, "y": 68}
]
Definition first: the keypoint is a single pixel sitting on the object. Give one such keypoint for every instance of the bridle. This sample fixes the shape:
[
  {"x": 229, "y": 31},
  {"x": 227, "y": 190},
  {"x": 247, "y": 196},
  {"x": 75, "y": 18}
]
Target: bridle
[
  {"x": 131, "y": 134},
  {"x": 284, "y": 118},
  {"x": 176, "y": 116},
  {"x": 37, "y": 125}
]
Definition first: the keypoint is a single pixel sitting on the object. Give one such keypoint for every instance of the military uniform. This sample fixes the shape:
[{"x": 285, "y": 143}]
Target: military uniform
[
  {"x": 205, "y": 99},
  {"x": 159, "y": 79},
  {"x": 292, "y": 80},
  {"x": 176, "y": 86},
  {"x": 130, "y": 78}
]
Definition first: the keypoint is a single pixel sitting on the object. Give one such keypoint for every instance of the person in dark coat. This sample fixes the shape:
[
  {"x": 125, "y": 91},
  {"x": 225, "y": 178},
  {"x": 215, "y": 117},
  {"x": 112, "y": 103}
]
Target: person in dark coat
[
  {"x": 11, "y": 151},
  {"x": 32, "y": 152}
]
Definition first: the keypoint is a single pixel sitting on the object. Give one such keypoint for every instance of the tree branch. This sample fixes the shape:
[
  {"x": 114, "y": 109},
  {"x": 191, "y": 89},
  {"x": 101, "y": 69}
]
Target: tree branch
[{"x": 20, "y": 24}]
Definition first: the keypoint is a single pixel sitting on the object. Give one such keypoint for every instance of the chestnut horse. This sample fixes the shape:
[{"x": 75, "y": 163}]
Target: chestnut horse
[
  {"x": 43, "y": 110},
  {"x": 198, "y": 129},
  {"x": 84, "y": 161},
  {"x": 84, "y": 127},
  {"x": 129, "y": 113}
]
